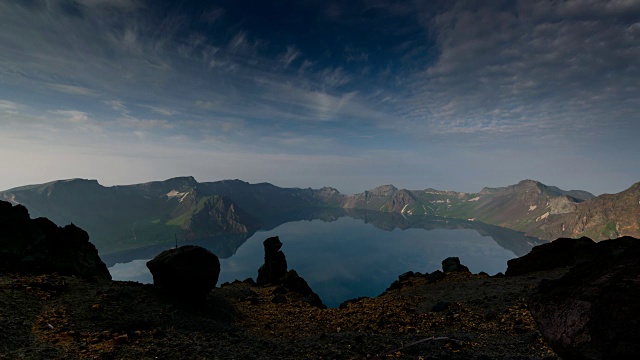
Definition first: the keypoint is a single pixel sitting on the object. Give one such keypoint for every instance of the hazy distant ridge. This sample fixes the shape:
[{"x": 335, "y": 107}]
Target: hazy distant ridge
[{"x": 154, "y": 212}]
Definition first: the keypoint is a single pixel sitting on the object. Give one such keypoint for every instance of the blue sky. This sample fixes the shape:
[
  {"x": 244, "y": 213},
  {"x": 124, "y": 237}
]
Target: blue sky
[{"x": 452, "y": 95}]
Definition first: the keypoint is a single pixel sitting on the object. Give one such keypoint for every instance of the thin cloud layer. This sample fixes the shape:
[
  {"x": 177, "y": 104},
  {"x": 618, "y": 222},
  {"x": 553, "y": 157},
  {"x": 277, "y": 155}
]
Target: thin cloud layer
[
  {"x": 538, "y": 68},
  {"x": 406, "y": 88}
]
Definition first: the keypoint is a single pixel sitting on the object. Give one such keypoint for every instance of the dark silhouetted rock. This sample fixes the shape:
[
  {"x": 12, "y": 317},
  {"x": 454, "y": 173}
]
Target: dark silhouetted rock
[
  {"x": 274, "y": 272},
  {"x": 404, "y": 279},
  {"x": 452, "y": 264},
  {"x": 396, "y": 285},
  {"x": 406, "y": 276},
  {"x": 40, "y": 246},
  {"x": 593, "y": 312},
  {"x": 294, "y": 283},
  {"x": 556, "y": 254},
  {"x": 249, "y": 281},
  {"x": 187, "y": 273},
  {"x": 434, "y": 276},
  {"x": 275, "y": 263}
]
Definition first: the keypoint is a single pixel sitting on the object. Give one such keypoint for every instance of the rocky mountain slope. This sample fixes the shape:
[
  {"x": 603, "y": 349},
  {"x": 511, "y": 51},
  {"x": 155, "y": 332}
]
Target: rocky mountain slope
[
  {"x": 512, "y": 206},
  {"x": 538, "y": 210},
  {"x": 125, "y": 217},
  {"x": 132, "y": 216},
  {"x": 607, "y": 216}
]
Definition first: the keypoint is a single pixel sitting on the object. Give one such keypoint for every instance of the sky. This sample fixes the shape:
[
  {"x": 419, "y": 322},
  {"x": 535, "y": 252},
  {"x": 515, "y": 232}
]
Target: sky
[{"x": 452, "y": 95}]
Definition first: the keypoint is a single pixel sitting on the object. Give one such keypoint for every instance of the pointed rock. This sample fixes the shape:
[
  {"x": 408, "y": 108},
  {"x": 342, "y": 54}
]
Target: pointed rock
[{"x": 275, "y": 263}]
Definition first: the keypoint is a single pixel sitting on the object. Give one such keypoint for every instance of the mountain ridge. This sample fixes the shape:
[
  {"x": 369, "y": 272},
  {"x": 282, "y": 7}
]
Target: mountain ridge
[{"x": 161, "y": 210}]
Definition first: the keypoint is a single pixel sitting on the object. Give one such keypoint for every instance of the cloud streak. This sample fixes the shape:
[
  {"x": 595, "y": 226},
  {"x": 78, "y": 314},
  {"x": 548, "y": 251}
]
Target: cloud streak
[{"x": 534, "y": 68}]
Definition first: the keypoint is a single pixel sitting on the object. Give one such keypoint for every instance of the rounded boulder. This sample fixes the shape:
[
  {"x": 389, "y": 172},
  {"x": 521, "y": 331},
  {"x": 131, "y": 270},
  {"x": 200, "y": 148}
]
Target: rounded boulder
[{"x": 187, "y": 273}]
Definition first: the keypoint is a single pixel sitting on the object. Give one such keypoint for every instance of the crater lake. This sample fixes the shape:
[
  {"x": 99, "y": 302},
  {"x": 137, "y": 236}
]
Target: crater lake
[{"x": 345, "y": 254}]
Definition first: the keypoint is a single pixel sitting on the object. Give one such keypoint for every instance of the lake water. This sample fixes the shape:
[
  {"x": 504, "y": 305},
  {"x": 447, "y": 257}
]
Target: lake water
[{"x": 349, "y": 257}]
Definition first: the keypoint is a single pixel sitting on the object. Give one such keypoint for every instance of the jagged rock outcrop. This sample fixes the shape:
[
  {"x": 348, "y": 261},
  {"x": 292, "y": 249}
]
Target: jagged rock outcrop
[
  {"x": 592, "y": 312},
  {"x": 559, "y": 253},
  {"x": 187, "y": 273},
  {"x": 294, "y": 283},
  {"x": 274, "y": 272},
  {"x": 275, "y": 263},
  {"x": 40, "y": 246},
  {"x": 452, "y": 264}
]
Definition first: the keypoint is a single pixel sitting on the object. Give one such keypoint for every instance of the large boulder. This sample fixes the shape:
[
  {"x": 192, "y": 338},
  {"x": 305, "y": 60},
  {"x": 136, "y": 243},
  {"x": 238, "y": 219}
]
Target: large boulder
[
  {"x": 40, "y": 246},
  {"x": 452, "y": 264},
  {"x": 187, "y": 273},
  {"x": 593, "y": 312},
  {"x": 563, "y": 252},
  {"x": 275, "y": 263}
]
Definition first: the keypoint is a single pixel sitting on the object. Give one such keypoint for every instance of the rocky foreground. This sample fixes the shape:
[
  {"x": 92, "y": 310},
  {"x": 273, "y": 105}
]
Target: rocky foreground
[
  {"x": 569, "y": 298},
  {"x": 455, "y": 316}
]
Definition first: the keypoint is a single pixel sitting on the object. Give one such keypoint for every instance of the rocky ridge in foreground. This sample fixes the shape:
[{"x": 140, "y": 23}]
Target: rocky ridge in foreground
[
  {"x": 40, "y": 246},
  {"x": 472, "y": 316}
]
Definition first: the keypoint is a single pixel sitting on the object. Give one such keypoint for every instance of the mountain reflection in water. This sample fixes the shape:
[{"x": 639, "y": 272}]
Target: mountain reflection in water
[{"x": 342, "y": 256}]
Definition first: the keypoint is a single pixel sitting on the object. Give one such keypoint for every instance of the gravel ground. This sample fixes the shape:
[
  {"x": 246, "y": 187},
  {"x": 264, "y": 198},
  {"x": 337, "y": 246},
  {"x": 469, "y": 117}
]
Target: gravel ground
[{"x": 452, "y": 316}]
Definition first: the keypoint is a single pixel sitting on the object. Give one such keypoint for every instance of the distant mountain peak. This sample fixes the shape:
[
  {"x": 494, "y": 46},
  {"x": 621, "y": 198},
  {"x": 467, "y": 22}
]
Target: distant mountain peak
[
  {"x": 529, "y": 182},
  {"x": 235, "y": 181},
  {"x": 72, "y": 182},
  {"x": 182, "y": 179},
  {"x": 383, "y": 190},
  {"x": 328, "y": 189},
  {"x": 68, "y": 186},
  {"x": 79, "y": 180}
]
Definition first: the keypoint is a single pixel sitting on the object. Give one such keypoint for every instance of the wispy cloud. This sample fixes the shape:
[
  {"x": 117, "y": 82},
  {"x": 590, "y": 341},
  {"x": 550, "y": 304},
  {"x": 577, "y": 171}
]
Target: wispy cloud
[
  {"x": 143, "y": 124},
  {"x": 116, "y": 105},
  {"x": 290, "y": 56},
  {"x": 241, "y": 45},
  {"x": 72, "y": 89},
  {"x": 120, "y": 4},
  {"x": 212, "y": 14},
  {"x": 72, "y": 116},
  {"x": 8, "y": 106},
  {"x": 335, "y": 77},
  {"x": 308, "y": 142},
  {"x": 70, "y": 122},
  {"x": 163, "y": 110}
]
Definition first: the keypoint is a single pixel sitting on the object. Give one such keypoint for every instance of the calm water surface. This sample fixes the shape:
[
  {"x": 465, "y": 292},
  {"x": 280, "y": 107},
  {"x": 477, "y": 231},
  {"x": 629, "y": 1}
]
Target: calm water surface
[{"x": 348, "y": 258}]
